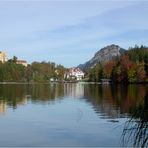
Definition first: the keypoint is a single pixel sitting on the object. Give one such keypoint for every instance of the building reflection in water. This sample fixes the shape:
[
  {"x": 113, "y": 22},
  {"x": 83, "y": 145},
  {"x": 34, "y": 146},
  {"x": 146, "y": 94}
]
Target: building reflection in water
[
  {"x": 12, "y": 95},
  {"x": 3, "y": 107},
  {"x": 110, "y": 102},
  {"x": 74, "y": 90}
]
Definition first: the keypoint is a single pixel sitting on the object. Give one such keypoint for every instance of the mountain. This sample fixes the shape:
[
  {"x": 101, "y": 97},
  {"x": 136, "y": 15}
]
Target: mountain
[{"x": 103, "y": 55}]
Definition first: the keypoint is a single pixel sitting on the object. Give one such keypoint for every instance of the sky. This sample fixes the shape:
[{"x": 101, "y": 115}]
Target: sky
[{"x": 70, "y": 32}]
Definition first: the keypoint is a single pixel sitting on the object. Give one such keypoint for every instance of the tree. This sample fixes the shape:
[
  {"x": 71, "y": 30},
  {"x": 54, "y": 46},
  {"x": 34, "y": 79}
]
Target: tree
[
  {"x": 108, "y": 68},
  {"x": 13, "y": 60},
  {"x": 141, "y": 73}
]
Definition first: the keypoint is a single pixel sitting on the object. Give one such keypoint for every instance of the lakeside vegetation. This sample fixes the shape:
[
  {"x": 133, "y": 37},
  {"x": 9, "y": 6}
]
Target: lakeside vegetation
[
  {"x": 130, "y": 67},
  {"x": 10, "y": 71}
]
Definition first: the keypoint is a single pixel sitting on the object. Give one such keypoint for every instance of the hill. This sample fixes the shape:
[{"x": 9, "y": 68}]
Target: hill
[{"x": 103, "y": 55}]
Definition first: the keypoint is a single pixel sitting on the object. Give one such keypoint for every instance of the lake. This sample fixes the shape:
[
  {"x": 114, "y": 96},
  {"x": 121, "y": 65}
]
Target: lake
[{"x": 75, "y": 114}]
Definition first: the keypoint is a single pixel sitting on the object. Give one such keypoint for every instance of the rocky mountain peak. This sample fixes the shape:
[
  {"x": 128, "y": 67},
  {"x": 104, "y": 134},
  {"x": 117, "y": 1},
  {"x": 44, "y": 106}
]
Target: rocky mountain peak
[{"x": 103, "y": 55}]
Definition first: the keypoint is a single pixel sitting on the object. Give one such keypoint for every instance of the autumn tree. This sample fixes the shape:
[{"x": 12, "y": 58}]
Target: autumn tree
[{"x": 108, "y": 68}]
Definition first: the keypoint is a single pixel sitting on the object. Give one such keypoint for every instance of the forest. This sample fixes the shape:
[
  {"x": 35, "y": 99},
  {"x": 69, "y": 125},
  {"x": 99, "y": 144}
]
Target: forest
[
  {"x": 10, "y": 71},
  {"x": 130, "y": 67}
]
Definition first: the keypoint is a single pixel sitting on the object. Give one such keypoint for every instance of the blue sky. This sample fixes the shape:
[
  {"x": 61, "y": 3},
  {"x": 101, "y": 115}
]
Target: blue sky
[{"x": 70, "y": 32}]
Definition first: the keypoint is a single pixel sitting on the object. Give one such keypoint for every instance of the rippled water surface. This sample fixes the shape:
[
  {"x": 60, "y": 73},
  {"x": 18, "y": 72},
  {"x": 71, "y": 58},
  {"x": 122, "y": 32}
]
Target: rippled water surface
[{"x": 72, "y": 115}]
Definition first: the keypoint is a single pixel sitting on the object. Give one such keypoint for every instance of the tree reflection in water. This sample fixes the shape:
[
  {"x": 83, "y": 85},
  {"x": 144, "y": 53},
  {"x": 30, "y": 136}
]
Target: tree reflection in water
[
  {"x": 110, "y": 102},
  {"x": 135, "y": 132}
]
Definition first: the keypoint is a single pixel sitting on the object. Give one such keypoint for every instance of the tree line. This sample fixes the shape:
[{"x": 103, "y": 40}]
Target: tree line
[
  {"x": 130, "y": 67},
  {"x": 10, "y": 71}
]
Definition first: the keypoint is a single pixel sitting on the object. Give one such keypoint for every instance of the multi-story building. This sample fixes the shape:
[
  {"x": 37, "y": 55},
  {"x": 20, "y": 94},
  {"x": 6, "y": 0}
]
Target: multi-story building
[
  {"x": 74, "y": 73},
  {"x": 3, "y": 56}
]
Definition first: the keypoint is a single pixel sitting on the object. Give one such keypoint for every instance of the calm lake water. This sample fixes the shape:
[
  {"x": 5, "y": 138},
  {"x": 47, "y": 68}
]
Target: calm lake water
[{"x": 73, "y": 115}]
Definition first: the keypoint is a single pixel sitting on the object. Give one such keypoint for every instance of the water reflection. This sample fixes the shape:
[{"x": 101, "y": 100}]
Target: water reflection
[
  {"x": 74, "y": 90},
  {"x": 2, "y": 107},
  {"x": 114, "y": 101},
  {"x": 135, "y": 132},
  {"x": 13, "y": 95},
  {"x": 109, "y": 102}
]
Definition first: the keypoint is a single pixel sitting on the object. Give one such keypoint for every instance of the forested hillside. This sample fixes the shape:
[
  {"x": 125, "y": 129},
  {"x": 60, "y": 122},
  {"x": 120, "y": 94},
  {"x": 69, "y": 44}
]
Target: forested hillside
[{"x": 130, "y": 67}]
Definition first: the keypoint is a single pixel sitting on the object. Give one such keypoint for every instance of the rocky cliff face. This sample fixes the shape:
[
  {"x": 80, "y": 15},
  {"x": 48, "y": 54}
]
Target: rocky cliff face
[{"x": 103, "y": 55}]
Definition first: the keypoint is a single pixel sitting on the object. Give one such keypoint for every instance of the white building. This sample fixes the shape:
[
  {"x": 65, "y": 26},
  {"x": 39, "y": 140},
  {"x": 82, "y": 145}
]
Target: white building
[
  {"x": 22, "y": 62},
  {"x": 74, "y": 73},
  {"x": 3, "y": 56}
]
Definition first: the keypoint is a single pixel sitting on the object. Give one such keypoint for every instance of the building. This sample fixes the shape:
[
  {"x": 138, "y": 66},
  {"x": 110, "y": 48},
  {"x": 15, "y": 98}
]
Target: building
[
  {"x": 3, "y": 56},
  {"x": 22, "y": 62},
  {"x": 74, "y": 73}
]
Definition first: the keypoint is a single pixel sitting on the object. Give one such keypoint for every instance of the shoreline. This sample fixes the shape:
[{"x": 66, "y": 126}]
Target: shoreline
[{"x": 69, "y": 82}]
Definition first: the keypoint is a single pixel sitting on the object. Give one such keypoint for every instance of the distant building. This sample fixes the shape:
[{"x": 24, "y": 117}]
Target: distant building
[
  {"x": 3, "y": 56},
  {"x": 22, "y": 62},
  {"x": 74, "y": 73}
]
